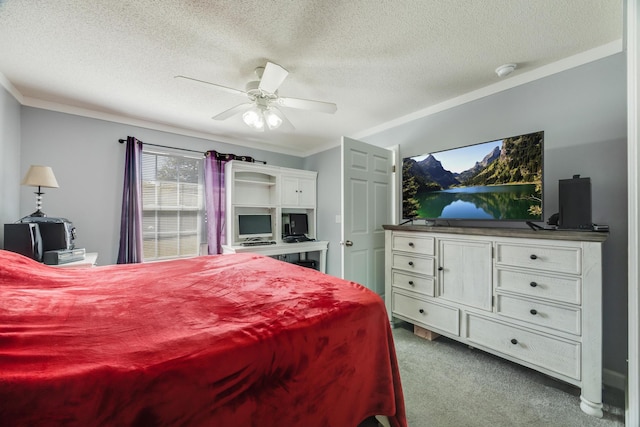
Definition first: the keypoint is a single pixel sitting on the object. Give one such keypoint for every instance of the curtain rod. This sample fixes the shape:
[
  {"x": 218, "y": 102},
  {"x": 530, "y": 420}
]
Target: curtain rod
[{"x": 122, "y": 141}]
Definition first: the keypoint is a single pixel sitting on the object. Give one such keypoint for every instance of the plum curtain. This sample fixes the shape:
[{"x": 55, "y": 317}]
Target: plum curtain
[
  {"x": 215, "y": 205},
  {"x": 130, "y": 248}
]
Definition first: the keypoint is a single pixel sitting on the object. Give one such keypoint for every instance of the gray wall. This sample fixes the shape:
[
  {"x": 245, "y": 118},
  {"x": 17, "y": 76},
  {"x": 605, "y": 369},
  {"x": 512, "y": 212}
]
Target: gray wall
[
  {"x": 605, "y": 163},
  {"x": 88, "y": 163},
  {"x": 329, "y": 188},
  {"x": 9, "y": 159},
  {"x": 583, "y": 114}
]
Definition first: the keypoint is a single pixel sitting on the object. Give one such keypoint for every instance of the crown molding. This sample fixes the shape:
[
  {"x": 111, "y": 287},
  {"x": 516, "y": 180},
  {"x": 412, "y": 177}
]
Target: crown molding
[
  {"x": 4, "y": 81},
  {"x": 509, "y": 83}
]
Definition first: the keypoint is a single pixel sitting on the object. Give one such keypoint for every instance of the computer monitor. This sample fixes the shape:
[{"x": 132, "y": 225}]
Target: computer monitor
[
  {"x": 254, "y": 226},
  {"x": 298, "y": 224}
]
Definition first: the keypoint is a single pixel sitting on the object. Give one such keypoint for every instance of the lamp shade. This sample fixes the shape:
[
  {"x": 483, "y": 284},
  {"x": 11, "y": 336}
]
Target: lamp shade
[{"x": 40, "y": 176}]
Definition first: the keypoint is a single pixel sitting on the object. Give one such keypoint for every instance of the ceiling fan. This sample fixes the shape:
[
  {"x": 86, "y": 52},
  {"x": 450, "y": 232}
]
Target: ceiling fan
[{"x": 263, "y": 108}]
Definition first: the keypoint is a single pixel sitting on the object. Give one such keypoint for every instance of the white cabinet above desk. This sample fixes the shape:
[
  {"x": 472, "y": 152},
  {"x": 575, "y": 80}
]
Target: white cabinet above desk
[
  {"x": 284, "y": 249},
  {"x": 299, "y": 189}
]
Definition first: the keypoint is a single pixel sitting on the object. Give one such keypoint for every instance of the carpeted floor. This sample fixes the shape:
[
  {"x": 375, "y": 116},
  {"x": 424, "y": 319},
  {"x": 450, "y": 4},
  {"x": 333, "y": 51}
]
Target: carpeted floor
[{"x": 447, "y": 384}]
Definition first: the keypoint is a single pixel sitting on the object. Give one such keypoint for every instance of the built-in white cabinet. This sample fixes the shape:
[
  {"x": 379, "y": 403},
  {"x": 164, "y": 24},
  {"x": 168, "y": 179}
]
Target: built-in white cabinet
[
  {"x": 532, "y": 297},
  {"x": 257, "y": 189}
]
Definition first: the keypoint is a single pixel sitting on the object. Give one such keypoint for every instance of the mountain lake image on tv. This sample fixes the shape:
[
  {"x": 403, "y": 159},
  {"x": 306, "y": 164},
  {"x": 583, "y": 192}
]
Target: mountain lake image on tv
[{"x": 496, "y": 180}]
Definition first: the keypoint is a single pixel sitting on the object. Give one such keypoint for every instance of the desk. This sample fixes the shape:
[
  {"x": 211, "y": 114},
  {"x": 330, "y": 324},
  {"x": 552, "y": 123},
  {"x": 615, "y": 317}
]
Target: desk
[{"x": 283, "y": 249}]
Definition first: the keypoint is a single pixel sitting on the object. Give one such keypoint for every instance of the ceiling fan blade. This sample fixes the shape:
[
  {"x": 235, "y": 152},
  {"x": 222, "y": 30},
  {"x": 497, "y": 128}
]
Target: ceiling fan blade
[
  {"x": 233, "y": 111},
  {"x": 306, "y": 104},
  {"x": 272, "y": 77},
  {"x": 225, "y": 88}
]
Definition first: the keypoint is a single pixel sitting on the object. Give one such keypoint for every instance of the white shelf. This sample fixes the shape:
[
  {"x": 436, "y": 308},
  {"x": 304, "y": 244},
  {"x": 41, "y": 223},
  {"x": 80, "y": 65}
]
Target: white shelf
[{"x": 253, "y": 182}]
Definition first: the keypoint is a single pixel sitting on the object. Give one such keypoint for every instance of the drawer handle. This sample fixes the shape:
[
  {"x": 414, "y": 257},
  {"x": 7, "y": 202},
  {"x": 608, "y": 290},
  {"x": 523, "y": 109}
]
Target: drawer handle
[
  {"x": 421, "y": 311},
  {"x": 411, "y": 244},
  {"x": 440, "y": 268},
  {"x": 533, "y": 311},
  {"x": 533, "y": 284},
  {"x": 514, "y": 341},
  {"x": 411, "y": 263},
  {"x": 533, "y": 256},
  {"x": 411, "y": 282}
]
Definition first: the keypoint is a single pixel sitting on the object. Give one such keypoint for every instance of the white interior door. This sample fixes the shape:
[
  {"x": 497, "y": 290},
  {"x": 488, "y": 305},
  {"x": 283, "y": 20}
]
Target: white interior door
[{"x": 366, "y": 206}]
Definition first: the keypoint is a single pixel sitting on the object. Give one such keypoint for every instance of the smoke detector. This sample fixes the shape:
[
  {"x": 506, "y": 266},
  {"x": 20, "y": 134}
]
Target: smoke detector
[{"x": 505, "y": 70}]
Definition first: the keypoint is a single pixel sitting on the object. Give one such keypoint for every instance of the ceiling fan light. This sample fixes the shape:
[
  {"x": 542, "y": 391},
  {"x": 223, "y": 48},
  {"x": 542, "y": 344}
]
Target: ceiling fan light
[
  {"x": 254, "y": 118},
  {"x": 273, "y": 119}
]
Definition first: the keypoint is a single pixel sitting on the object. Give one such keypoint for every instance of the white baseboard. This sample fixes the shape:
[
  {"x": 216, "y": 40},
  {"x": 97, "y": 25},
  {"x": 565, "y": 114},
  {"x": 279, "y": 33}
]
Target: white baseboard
[{"x": 614, "y": 379}]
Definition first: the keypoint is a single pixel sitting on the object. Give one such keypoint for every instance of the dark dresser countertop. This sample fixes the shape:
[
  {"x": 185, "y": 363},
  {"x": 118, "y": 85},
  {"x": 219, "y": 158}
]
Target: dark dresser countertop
[{"x": 584, "y": 236}]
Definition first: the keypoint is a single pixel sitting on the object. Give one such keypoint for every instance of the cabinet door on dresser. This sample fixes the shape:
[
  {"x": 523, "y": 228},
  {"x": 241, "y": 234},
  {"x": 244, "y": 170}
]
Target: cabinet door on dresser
[{"x": 465, "y": 272}]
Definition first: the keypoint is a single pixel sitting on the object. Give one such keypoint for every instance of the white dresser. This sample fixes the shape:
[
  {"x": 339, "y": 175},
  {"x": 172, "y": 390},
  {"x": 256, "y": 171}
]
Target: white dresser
[{"x": 532, "y": 297}]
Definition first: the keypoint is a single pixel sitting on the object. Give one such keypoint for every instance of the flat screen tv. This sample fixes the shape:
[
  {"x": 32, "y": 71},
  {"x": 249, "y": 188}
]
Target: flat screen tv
[
  {"x": 500, "y": 180},
  {"x": 254, "y": 226}
]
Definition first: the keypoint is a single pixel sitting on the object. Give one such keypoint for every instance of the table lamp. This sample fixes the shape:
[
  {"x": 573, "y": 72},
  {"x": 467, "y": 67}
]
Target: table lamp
[{"x": 40, "y": 176}]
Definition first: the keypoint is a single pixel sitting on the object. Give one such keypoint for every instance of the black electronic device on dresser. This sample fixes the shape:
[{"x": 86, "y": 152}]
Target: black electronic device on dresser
[
  {"x": 575, "y": 203},
  {"x": 57, "y": 233},
  {"x": 24, "y": 239},
  {"x": 33, "y": 236}
]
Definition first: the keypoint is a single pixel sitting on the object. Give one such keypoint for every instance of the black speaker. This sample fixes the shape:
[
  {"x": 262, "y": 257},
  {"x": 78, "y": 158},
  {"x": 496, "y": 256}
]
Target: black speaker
[
  {"x": 23, "y": 238},
  {"x": 575, "y": 203},
  {"x": 54, "y": 236}
]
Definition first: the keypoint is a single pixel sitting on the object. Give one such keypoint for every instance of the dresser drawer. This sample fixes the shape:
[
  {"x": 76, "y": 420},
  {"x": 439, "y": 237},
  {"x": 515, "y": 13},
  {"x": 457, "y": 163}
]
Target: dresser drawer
[
  {"x": 413, "y": 243},
  {"x": 547, "y": 258},
  {"x": 412, "y": 282},
  {"x": 555, "y": 354},
  {"x": 430, "y": 314},
  {"x": 413, "y": 263},
  {"x": 564, "y": 289},
  {"x": 537, "y": 313}
]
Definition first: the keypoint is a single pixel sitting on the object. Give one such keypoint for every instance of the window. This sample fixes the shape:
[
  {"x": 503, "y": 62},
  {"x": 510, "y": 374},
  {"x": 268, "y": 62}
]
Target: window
[{"x": 172, "y": 206}]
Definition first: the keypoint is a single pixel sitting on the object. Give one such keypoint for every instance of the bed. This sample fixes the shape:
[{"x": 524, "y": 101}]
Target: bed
[{"x": 225, "y": 340}]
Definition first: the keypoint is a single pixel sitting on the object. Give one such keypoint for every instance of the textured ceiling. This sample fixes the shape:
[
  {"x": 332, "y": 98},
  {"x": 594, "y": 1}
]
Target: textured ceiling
[{"x": 377, "y": 60}]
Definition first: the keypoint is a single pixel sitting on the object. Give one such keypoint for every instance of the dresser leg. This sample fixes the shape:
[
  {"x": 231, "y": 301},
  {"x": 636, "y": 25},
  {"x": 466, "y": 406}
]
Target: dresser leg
[{"x": 594, "y": 409}]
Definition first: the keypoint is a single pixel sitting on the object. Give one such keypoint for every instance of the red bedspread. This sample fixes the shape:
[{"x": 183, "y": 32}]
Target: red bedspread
[{"x": 233, "y": 340}]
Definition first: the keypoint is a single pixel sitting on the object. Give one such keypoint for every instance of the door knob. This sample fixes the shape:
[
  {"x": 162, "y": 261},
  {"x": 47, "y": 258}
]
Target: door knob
[{"x": 348, "y": 243}]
